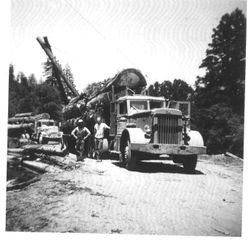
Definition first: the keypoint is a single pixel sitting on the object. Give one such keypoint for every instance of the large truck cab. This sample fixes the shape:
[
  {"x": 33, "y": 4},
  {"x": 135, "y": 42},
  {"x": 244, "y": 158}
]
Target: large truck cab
[{"x": 145, "y": 126}]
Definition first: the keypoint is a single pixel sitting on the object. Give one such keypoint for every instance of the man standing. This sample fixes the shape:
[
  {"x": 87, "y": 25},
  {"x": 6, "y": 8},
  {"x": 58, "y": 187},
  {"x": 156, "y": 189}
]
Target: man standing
[
  {"x": 90, "y": 124},
  {"x": 80, "y": 133},
  {"x": 100, "y": 128}
]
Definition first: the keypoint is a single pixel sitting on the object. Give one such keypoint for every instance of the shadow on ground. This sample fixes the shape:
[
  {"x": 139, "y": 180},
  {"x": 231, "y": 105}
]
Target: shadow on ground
[{"x": 155, "y": 167}]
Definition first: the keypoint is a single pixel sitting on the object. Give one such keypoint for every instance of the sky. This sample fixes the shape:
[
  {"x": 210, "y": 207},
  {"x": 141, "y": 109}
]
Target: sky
[{"x": 165, "y": 39}]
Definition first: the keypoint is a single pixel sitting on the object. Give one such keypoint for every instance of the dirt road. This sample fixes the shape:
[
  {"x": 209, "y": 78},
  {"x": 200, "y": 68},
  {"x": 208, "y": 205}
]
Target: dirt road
[{"x": 159, "y": 198}]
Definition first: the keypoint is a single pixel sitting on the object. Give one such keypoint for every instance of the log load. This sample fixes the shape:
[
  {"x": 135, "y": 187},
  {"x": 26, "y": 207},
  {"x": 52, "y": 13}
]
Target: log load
[
  {"x": 25, "y": 114},
  {"x": 20, "y": 126},
  {"x": 128, "y": 78},
  {"x": 15, "y": 130},
  {"x": 131, "y": 78}
]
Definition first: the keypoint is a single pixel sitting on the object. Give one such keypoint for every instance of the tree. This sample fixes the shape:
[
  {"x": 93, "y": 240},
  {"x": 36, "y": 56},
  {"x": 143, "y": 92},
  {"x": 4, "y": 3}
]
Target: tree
[
  {"x": 166, "y": 89},
  {"x": 154, "y": 90},
  {"x": 28, "y": 103},
  {"x": 68, "y": 73},
  {"x": 53, "y": 78},
  {"x": 26, "y": 95},
  {"x": 49, "y": 101},
  {"x": 178, "y": 90},
  {"x": 95, "y": 88},
  {"x": 11, "y": 76},
  {"x": 32, "y": 80},
  {"x": 219, "y": 95},
  {"x": 49, "y": 73},
  {"x": 13, "y": 88},
  {"x": 225, "y": 64},
  {"x": 181, "y": 90}
]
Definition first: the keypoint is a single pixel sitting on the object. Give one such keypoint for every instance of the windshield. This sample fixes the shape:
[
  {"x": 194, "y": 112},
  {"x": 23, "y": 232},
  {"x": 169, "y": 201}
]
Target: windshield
[
  {"x": 123, "y": 108},
  {"x": 155, "y": 104},
  {"x": 138, "y": 105}
]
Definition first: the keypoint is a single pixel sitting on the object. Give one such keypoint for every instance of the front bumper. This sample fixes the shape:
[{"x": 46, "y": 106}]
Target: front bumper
[{"x": 169, "y": 149}]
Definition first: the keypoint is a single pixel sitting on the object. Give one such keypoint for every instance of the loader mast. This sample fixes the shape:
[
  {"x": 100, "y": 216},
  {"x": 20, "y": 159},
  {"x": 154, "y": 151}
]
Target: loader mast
[{"x": 60, "y": 76}]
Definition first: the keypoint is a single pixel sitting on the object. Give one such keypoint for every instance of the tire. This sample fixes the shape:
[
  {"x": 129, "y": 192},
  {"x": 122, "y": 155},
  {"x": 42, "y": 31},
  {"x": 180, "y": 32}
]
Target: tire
[
  {"x": 44, "y": 141},
  {"x": 178, "y": 159},
  {"x": 105, "y": 145},
  {"x": 128, "y": 157},
  {"x": 189, "y": 163}
]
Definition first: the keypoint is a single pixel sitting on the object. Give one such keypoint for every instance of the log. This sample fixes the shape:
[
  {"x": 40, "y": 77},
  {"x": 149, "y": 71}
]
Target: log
[
  {"x": 233, "y": 156},
  {"x": 11, "y": 185},
  {"x": 44, "y": 44},
  {"x": 24, "y": 114},
  {"x": 39, "y": 166},
  {"x": 131, "y": 78},
  {"x": 15, "y": 130},
  {"x": 45, "y": 149},
  {"x": 28, "y": 119},
  {"x": 14, "y": 159},
  {"x": 16, "y": 150},
  {"x": 51, "y": 160},
  {"x": 15, "y": 127},
  {"x": 127, "y": 78},
  {"x": 101, "y": 98}
]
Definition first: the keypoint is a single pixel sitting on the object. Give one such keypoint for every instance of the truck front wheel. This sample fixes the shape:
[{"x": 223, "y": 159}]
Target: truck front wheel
[
  {"x": 44, "y": 141},
  {"x": 128, "y": 157},
  {"x": 189, "y": 163}
]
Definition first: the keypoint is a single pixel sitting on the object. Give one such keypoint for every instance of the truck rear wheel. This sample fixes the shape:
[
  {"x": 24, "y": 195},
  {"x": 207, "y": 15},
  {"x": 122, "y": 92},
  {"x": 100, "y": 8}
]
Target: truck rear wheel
[
  {"x": 128, "y": 157},
  {"x": 189, "y": 163}
]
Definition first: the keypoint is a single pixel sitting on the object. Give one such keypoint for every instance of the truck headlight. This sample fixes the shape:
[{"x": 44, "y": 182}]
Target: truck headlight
[{"x": 147, "y": 129}]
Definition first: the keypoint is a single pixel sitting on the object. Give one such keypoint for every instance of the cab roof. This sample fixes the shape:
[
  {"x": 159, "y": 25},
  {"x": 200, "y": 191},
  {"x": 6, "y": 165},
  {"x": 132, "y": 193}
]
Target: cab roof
[{"x": 140, "y": 97}]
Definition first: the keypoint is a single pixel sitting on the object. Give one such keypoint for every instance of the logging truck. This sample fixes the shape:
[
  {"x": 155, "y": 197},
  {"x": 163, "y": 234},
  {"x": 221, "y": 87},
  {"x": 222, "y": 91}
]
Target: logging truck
[
  {"x": 142, "y": 127},
  {"x": 46, "y": 130},
  {"x": 148, "y": 128}
]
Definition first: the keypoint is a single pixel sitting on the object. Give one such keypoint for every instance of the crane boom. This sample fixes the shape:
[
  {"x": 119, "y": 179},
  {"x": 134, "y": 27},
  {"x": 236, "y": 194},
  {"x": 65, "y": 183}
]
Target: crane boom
[{"x": 46, "y": 47}]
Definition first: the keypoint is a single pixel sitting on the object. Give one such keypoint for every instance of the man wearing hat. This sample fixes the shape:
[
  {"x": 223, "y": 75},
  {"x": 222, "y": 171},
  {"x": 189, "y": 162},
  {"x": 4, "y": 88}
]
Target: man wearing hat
[{"x": 80, "y": 133}]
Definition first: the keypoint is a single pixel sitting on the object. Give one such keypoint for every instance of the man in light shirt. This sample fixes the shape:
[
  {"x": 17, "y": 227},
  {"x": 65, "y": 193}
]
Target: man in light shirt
[{"x": 99, "y": 128}]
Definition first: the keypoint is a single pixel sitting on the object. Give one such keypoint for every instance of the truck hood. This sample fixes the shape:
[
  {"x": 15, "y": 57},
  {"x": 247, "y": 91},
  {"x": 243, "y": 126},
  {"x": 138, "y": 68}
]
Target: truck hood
[
  {"x": 156, "y": 112},
  {"x": 50, "y": 129}
]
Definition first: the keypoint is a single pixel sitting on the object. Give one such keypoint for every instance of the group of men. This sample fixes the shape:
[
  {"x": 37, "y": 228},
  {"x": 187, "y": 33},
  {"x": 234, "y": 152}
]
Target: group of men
[{"x": 89, "y": 135}]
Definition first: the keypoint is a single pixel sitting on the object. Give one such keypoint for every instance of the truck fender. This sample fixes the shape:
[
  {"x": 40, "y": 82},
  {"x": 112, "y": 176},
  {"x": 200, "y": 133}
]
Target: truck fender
[
  {"x": 136, "y": 135},
  {"x": 195, "y": 138}
]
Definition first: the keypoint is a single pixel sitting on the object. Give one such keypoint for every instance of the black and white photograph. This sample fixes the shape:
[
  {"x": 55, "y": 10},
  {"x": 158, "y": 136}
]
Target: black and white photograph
[{"x": 126, "y": 117}]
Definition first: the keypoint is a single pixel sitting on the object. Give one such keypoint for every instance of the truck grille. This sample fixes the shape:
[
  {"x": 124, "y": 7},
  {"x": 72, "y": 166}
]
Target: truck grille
[{"x": 169, "y": 130}]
